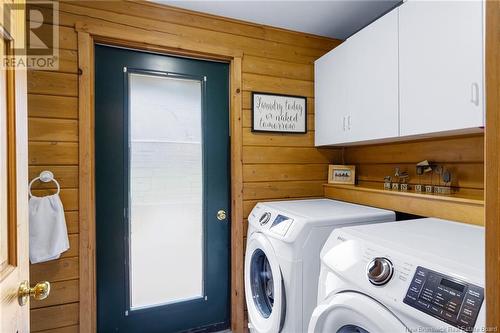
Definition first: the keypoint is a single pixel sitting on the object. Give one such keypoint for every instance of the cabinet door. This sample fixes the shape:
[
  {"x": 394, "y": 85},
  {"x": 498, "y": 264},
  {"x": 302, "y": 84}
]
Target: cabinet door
[
  {"x": 373, "y": 71},
  {"x": 331, "y": 93},
  {"x": 441, "y": 66}
]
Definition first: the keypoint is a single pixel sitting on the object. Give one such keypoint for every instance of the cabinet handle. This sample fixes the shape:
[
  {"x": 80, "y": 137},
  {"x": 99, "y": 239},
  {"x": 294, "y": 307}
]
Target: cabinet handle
[
  {"x": 349, "y": 123},
  {"x": 475, "y": 94},
  {"x": 343, "y": 122}
]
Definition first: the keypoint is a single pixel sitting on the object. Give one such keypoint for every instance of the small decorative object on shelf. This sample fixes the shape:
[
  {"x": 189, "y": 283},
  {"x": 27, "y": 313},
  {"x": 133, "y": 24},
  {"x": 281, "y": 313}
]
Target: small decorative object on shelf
[
  {"x": 426, "y": 183},
  {"x": 446, "y": 178},
  {"x": 395, "y": 185},
  {"x": 423, "y": 168},
  {"x": 442, "y": 190},
  {"x": 342, "y": 174},
  {"x": 403, "y": 180},
  {"x": 387, "y": 183}
]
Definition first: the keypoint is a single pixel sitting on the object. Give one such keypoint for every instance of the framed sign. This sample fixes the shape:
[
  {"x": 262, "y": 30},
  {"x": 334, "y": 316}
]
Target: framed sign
[
  {"x": 342, "y": 174},
  {"x": 279, "y": 113}
]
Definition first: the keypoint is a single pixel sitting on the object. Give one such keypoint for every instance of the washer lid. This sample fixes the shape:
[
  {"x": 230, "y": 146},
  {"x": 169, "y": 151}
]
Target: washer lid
[
  {"x": 350, "y": 312},
  {"x": 263, "y": 286},
  {"x": 334, "y": 211}
]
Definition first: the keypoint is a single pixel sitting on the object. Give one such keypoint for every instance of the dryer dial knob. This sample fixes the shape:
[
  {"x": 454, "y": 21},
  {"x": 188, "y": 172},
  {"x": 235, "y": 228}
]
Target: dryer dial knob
[
  {"x": 380, "y": 271},
  {"x": 265, "y": 218}
]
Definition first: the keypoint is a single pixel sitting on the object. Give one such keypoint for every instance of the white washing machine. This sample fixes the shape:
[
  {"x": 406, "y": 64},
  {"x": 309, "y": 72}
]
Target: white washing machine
[
  {"x": 282, "y": 258},
  {"x": 424, "y": 275}
]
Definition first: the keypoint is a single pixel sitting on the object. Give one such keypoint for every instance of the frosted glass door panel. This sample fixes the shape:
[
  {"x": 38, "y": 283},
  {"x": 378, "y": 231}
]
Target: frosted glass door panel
[{"x": 166, "y": 223}]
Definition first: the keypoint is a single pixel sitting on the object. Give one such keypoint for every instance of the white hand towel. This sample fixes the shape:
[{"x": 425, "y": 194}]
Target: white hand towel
[{"x": 48, "y": 233}]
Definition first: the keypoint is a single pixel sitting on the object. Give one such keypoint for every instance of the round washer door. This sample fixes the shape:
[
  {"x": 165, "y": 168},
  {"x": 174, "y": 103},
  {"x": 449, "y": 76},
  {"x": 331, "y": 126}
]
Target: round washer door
[
  {"x": 350, "y": 312},
  {"x": 263, "y": 286}
]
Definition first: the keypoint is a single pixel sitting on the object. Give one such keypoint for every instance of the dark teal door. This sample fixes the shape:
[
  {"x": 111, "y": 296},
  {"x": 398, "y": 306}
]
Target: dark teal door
[{"x": 162, "y": 180}]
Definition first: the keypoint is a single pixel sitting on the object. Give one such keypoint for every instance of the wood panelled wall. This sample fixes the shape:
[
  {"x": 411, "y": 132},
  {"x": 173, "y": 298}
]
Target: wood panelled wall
[
  {"x": 463, "y": 156},
  {"x": 275, "y": 166}
]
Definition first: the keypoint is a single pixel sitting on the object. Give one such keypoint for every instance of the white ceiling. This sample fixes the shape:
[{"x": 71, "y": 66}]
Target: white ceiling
[{"x": 331, "y": 18}]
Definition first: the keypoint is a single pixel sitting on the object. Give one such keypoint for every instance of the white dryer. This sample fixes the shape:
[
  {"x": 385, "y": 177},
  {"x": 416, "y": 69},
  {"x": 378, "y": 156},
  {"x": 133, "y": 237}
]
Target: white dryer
[
  {"x": 424, "y": 275},
  {"x": 282, "y": 258}
]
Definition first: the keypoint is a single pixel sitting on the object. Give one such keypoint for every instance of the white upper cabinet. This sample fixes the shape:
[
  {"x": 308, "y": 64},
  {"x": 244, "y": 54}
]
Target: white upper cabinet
[
  {"x": 441, "y": 66},
  {"x": 372, "y": 65},
  {"x": 418, "y": 70},
  {"x": 356, "y": 86},
  {"x": 331, "y": 96}
]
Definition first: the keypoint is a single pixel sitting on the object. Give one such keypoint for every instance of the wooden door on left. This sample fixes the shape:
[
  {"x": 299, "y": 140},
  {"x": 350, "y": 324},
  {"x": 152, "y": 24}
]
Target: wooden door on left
[{"x": 14, "y": 267}]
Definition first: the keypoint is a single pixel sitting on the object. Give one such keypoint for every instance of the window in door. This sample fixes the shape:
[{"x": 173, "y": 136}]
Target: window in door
[{"x": 165, "y": 196}]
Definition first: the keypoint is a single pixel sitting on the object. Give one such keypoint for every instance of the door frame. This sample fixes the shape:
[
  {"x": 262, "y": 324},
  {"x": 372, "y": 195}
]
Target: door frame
[
  {"x": 88, "y": 36},
  {"x": 492, "y": 163}
]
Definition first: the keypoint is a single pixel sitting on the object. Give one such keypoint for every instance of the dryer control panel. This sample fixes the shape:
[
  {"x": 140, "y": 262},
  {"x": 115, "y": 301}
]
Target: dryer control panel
[
  {"x": 281, "y": 224},
  {"x": 451, "y": 300},
  {"x": 266, "y": 218}
]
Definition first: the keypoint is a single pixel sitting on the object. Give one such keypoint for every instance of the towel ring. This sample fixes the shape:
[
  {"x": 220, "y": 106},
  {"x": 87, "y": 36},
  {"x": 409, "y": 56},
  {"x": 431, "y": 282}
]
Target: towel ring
[{"x": 45, "y": 176}]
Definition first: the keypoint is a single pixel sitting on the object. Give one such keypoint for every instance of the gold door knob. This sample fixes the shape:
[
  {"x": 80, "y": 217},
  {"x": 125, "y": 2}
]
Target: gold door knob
[
  {"x": 39, "y": 292},
  {"x": 221, "y": 215}
]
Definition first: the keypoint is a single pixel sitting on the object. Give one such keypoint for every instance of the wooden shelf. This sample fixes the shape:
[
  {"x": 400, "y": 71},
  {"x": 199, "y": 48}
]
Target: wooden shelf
[{"x": 454, "y": 207}]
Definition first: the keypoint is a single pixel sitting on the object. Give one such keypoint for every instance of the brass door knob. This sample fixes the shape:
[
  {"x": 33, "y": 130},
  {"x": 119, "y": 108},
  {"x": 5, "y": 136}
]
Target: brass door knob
[
  {"x": 39, "y": 292},
  {"x": 221, "y": 215}
]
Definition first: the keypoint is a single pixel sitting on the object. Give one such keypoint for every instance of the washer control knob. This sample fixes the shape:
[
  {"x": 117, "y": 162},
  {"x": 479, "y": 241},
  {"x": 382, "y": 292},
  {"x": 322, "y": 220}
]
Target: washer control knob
[
  {"x": 380, "y": 271},
  {"x": 265, "y": 218}
]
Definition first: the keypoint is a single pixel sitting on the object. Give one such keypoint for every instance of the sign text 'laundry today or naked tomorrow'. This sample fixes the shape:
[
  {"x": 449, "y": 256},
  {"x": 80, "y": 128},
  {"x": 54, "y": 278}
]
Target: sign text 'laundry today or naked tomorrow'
[{"x": 279, "y": 113}]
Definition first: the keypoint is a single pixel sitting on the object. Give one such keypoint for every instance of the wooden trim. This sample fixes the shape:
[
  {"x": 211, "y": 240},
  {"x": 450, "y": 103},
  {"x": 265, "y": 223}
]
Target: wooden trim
[
  {"x": 88, "y": 35},
  {"x": 492, "y": 164},
  {"x": 11, "y": 158},
  {"x": 237, "y": 247},
  {"x": 10, "y": 117},
  {"x": 148, "y": 39},
  {"x": 454, "y": 208},
  {"x": 88, "y": 302}
]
